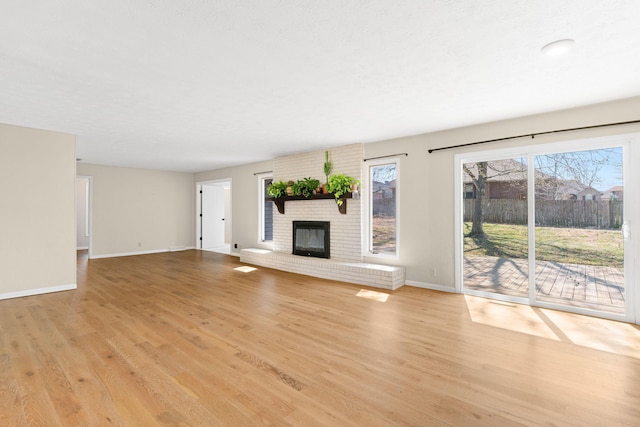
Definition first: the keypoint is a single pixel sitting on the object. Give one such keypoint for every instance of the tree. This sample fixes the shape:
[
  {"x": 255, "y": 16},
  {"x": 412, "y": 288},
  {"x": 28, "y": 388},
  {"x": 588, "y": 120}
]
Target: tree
[
  {"x": 582, "y": 167},
  {"x": 479, "y": 181},
  {"x": 512, "y": 172}
]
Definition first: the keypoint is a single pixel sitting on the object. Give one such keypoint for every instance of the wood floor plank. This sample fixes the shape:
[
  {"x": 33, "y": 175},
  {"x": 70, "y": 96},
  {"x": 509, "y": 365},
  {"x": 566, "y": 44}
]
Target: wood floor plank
[
  {"x": 10, "y": 406},
  {"x": 185, "y": 339}
]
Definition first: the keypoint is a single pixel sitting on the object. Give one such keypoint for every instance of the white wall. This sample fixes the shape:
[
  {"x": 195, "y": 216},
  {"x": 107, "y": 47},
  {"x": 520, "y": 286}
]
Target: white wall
[
  {"x": 139, "y": 210},
  {"x": 37, "y": 211},
  {"x": 427, "y": 182}
]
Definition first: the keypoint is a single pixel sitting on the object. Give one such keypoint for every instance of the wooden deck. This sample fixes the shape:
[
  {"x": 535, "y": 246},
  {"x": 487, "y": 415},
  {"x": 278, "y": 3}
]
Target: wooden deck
[{"x": 587, "y": 286}]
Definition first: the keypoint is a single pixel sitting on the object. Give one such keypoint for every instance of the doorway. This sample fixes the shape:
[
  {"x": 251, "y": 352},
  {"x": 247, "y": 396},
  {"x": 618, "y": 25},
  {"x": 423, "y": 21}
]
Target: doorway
[
  {"x": 548, "y": 226},
  {"x": 83, "y": 213},
  {"x": 214, "y": 216}
]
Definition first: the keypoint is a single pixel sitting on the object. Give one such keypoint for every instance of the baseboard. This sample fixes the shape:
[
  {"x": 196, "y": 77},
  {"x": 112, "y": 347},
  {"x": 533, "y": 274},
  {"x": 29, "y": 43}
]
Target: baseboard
[
  {"x": 181, "y": 248},
  {"x": 39, "y": 291},
  {"x": 431, "y": 286},
  {"x": 155, "y": 251},
  {"x": 82, "y": 248}
]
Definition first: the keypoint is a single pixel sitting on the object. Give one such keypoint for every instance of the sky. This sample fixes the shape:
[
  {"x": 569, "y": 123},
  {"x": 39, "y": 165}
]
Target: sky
[{"x": 601, "y": 168}]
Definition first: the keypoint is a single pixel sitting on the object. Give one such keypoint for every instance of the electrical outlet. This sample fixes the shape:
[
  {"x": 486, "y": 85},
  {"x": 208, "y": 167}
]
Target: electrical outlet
[{"x": 235, "y": 246}]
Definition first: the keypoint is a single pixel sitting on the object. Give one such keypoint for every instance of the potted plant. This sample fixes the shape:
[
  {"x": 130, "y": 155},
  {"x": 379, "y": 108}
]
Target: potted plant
[
  {"x": 297, "y": 187},
  {"x": 328, "y": 168},
  {"x": 277, "y": 189},
  {"x": 340, "y": 184},
  {"x": 306, "y": 186},
  {"x": 290, "y": 189}
]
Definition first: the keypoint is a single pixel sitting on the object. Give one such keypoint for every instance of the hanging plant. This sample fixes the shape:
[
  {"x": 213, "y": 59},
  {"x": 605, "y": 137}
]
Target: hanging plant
[{"x": 340, "y": 184}]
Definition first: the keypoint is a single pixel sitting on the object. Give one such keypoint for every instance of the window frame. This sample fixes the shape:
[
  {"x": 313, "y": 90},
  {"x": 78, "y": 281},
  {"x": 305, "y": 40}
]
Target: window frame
[
  {"x": 262, "y": 193},
  {"x": 370, "y": 164}
]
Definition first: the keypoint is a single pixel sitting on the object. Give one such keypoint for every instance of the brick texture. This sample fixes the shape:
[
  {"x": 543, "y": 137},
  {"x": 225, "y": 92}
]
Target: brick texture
[
  {"x": 346, "y": 230},
  {"x": 374, "y": 275}
]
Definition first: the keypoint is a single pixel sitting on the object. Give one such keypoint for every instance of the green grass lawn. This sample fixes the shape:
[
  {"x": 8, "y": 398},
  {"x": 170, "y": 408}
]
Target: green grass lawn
[
  {"x": 384, "y": 234},
  {"x": 566, "y": 245}
]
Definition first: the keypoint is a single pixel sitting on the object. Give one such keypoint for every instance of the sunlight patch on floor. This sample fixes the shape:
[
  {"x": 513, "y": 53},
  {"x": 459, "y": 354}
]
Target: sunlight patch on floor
[
  {"x": 378, "y": 296},
  {"x": 245, "y": 269},
  {"x": 586, "y": 331},
  {"x": 507, "y": 315},
  {"x": 600, "y": 334}
]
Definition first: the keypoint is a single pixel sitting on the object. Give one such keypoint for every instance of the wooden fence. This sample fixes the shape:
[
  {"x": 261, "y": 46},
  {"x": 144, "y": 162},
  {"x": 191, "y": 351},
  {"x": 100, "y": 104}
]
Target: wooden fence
[
  {"x": 552, "y": 213},
  {"x": 384, "y": 207}
]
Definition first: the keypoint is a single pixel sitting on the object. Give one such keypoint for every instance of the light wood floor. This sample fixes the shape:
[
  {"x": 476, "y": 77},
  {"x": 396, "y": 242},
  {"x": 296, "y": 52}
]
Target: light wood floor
[{"x": 184, "y": 338}]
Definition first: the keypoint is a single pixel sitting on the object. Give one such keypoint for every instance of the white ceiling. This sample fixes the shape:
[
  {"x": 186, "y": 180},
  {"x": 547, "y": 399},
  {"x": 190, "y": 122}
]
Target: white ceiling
[{"x": 197, "y": 85}]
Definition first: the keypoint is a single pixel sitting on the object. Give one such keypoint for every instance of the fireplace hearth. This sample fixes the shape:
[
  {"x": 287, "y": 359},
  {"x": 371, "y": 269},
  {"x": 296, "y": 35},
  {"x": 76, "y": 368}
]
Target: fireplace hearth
[{"x": 311, "y": 238}]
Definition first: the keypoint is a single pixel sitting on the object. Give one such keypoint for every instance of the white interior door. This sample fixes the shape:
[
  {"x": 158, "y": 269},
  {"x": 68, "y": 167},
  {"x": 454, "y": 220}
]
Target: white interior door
[{"x": 213, "y": 216}]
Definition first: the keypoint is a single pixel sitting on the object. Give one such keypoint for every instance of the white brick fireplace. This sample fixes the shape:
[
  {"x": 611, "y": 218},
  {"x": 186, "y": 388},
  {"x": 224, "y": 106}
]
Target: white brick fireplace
[{"x": 346, "y": 229}]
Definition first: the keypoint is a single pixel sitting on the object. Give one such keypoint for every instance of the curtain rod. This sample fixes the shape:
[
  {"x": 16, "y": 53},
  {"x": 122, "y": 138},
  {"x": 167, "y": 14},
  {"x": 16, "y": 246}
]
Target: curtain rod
[
  {"x": 533, "y": 135},
  {"x": 384, "y": 157},
  {"x": 260, "y": 173}
]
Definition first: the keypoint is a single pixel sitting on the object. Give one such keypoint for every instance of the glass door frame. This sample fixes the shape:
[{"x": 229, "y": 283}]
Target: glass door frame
[{"x": 631, "y": 214}]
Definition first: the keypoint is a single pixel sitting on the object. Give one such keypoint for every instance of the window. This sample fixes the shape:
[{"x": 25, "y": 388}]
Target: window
[
  {"x": 266, "y": 208},
  {"x": 383, "y": 208},
  {"x": 469, "y": 191}
]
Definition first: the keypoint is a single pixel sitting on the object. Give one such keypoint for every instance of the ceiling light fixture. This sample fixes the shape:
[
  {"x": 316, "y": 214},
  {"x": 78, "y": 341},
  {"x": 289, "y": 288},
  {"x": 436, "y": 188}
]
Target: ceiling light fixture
[{"x": 558, "y": 47}]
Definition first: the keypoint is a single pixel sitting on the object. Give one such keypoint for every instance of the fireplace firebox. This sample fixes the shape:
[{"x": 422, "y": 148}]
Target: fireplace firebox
[{"x": 311, "y": 238}]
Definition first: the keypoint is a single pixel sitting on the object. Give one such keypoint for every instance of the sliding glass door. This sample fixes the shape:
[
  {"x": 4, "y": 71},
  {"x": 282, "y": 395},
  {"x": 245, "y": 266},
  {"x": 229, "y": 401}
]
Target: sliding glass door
[
  {"x": 545, "y": 227},
  {"x": 579, "y": 245},
  {"x": 495, "y": 227}
]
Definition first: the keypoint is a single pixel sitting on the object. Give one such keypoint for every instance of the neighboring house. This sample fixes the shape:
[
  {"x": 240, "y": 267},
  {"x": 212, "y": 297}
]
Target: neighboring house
[
  {"x": 614, "y": 193},
  {"x": 383, "y": 190},
  {"x": 589, "y": 193},
  {"x": 507, "y": 179},
  {"x": 573, "y": 190}
]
